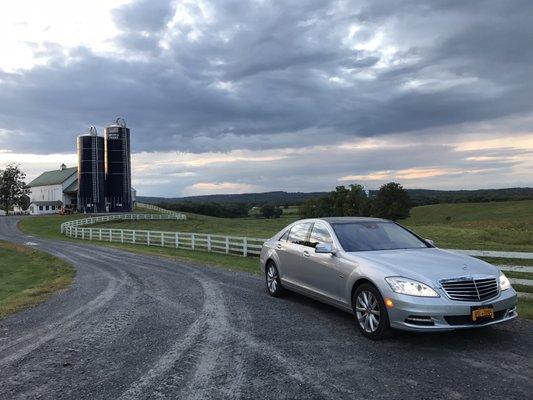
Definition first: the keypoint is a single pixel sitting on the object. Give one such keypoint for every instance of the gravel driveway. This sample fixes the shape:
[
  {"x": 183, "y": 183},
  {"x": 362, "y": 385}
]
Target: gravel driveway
[{"x": 134, "y": 326}]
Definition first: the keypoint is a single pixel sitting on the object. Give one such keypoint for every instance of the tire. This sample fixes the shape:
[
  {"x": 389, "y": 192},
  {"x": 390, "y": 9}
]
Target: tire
[
  {"x": 368, "y": 312},
  {"x": 273, "y": 281}
]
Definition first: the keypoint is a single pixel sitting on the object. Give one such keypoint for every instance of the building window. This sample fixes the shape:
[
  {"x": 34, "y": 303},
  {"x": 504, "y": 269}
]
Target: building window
[
  {"x": 47, "y": 208},
  {"x": 40, "y": 208},
  {"x": 31, "y": 209},
  {"x": 53, "y": 208}
]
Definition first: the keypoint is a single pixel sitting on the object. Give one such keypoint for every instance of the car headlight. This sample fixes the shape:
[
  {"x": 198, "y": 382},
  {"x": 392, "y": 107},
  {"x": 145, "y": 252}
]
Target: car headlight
[
  {"x": 504, "y": 282},
  {"x": 410, "y": 287}
]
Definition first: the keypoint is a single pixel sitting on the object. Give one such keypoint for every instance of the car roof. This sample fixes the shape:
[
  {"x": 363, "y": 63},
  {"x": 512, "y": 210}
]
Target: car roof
[{"x": 344, "y": 220}]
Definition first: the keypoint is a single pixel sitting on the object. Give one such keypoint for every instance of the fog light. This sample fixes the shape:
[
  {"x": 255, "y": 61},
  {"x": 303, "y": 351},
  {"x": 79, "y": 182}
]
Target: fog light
[{"x": 389, "y": 303}]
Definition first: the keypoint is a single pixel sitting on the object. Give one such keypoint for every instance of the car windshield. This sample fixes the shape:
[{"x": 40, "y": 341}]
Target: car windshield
[{"x": 380, "y": 235}]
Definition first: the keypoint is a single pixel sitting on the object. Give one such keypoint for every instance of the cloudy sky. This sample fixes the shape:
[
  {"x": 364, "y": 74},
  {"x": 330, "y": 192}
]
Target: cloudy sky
[{"x": 243, "y": 96}]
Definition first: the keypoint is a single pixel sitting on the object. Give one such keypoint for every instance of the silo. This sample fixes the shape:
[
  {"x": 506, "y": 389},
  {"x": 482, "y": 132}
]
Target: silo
[
  {"x": 118, "y": 166},
  {"x": 91, "y": 172}
]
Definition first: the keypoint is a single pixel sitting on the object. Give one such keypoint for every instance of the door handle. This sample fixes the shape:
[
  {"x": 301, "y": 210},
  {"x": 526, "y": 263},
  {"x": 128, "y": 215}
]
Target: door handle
[
  {"x": 306, "y": 253},
  {"x": 279, "y": 246}
]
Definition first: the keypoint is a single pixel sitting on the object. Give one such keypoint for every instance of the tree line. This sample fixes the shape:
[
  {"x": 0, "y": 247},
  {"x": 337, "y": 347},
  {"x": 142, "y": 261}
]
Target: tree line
[
  {"x": 391, "y": 202},
  {"x": 222, "y": 210}
]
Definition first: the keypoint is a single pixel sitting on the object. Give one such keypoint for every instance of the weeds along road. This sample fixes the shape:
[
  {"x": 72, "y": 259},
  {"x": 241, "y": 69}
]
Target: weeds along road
[{"x": 135, "y": 326}]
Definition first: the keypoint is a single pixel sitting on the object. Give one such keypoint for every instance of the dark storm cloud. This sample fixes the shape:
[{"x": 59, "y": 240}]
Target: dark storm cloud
[
  {"x": 259, "y": 75},
  {"x": 144, "y": 15}
]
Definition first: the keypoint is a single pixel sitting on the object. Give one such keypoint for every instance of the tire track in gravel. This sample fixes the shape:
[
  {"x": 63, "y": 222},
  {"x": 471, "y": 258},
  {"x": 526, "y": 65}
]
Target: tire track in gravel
[{"x": 165, "y": 363}]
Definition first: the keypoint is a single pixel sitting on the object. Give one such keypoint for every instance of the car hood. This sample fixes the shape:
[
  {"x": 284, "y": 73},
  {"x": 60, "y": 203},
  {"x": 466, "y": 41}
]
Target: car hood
[{"x": 427, "y": 264}]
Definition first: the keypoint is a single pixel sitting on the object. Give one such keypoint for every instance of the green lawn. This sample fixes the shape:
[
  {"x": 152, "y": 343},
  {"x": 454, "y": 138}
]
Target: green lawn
[
  {"x": 489, "y": 226},
  {"x": 29, "y": 276},
  {"x": 525, "y": 308}
]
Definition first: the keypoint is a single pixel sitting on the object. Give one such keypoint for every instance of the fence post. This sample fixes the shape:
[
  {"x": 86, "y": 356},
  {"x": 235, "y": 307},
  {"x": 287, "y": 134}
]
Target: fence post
[
  {"x": 110, "y": 235},
  {"x": 192, "y": 241},
  {"x": 245, "y": 247},
  {"x": 148, "y": 238},
  {"x": 122, "y": 236},
  {"x": 227, "y": 244},
  {"x": 162, "y": 239},
  {"x": 91, "y": 234},
  {"x": 208, "y": 242},
  {"x": 177, "y": 240},
  {"x": 133, "y": 237}
]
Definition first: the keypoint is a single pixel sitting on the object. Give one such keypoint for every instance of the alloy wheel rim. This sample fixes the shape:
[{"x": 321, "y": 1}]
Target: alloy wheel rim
[
  {"x": 367, "y": 311},
  {"x": 272, "y": 279}
]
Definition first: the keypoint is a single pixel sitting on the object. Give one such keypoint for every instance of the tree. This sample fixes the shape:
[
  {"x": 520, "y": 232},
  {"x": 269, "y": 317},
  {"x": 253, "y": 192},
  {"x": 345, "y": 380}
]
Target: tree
[
  {"x": 13, "y": 190},
  {"x": 269, "y": 211},
  {"x": 391, "y": 202},
  {"x": 357, "y": 203},
  {"x": 339, "y": 201}
]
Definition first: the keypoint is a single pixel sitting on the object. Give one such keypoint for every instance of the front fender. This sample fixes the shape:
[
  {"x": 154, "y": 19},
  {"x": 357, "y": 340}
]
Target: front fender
[{"x": 371, "y": 273}]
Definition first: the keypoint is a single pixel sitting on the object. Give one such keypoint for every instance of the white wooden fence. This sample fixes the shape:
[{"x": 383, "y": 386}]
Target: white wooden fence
[
  {"x": 162, "y": 210},
  {"x": 237, "y": 245},
  {"x": 117, "y": 217}
]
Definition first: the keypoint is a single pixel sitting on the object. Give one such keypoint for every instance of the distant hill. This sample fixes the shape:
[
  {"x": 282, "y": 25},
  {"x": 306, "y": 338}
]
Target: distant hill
[
  {"x": 278, "y": 198},
  {"x": 424, "y": 196},
  {"x": 418, "y": 197}
]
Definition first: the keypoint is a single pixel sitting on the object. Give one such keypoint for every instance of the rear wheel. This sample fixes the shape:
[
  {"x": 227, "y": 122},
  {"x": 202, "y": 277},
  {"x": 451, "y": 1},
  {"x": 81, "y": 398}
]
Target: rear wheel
[
  {"x": 370, "y": 312},
  {"x": 273, "y": 281}
]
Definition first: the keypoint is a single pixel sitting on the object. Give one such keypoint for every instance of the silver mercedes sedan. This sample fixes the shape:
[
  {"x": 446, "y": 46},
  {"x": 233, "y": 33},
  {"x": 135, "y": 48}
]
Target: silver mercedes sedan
[{"x": 386, "y": 275}]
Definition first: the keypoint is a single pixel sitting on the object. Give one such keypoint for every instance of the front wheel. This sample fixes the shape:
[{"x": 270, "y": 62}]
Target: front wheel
[
  {"x": 273, "y": 281},
  {"x": 370, "y": 312}
]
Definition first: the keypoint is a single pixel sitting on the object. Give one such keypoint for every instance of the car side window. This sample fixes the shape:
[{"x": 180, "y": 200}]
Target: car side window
[
  {"x": 299, "y": 233},
  {"x": 285, "y": 236},
  {"x": 319, "y": 234}
]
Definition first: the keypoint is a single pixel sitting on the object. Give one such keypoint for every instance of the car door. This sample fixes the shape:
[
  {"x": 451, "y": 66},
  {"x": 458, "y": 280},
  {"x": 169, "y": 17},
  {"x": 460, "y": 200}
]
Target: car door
[
  {"x": 321, "y": 272},
  {"x": 290, "y": 252}
]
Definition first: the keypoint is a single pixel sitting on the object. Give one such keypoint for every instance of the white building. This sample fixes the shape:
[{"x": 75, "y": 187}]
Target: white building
[{"x": 52, "y": 190}]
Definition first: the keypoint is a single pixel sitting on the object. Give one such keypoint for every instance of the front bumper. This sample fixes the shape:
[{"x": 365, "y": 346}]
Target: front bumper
[{"x": 442, "y": 314}]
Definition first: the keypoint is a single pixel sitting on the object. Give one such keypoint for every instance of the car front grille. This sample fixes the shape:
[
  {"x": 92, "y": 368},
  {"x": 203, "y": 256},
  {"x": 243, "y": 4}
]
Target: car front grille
[{"x": 471, "y": 289}]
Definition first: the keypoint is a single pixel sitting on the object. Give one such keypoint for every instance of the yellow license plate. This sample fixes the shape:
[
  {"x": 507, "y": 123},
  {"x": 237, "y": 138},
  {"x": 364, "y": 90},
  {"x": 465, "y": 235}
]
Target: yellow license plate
[{"x": 482, "y": 313}]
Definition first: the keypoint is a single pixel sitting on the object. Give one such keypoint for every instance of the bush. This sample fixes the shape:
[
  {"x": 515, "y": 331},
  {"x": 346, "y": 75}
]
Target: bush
[
  {"x": 268, "y": 211},
  {"x": 391, "y": 202}
]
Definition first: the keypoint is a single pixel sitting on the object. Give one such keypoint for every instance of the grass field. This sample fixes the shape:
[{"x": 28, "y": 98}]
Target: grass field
[
  {"x": 29, "y": 276},
  {"x": 487, "y": 226}
]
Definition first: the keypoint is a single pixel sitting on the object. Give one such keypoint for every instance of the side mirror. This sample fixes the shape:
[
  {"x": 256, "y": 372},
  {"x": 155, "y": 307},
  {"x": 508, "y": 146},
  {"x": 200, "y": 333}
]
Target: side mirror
[
  {"x": 324, "y": 248},
  {"x": 431, "y": 242}
]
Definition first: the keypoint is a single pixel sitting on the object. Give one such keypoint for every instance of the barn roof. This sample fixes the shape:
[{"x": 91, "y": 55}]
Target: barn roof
[
  {"x": 72, "y": 188},
  {"x": 56, "y": 177}
]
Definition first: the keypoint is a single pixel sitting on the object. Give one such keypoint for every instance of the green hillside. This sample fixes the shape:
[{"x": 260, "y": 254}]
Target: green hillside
[{"x": 497, "y": 226}]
